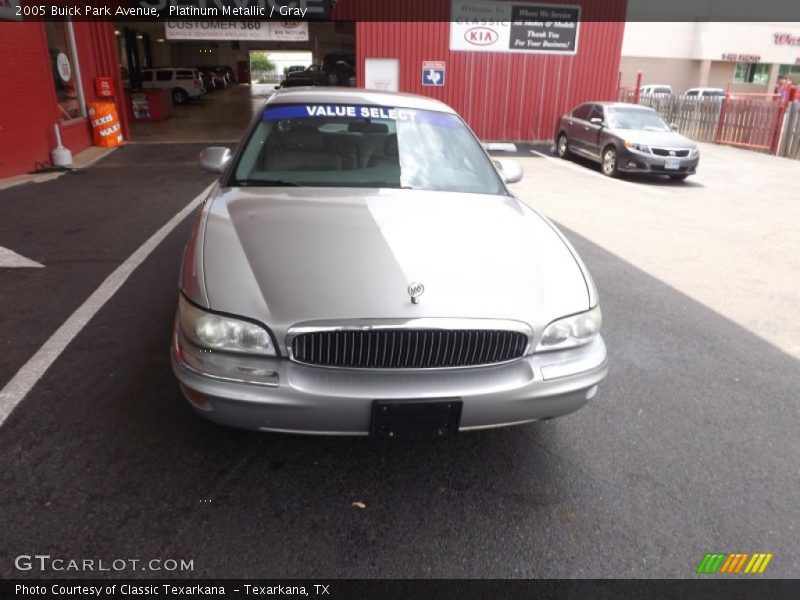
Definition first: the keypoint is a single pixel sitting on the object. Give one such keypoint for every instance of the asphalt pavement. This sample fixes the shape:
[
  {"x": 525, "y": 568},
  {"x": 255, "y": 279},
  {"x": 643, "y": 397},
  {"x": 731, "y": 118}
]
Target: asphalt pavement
[{"x": 689, "y": 447}]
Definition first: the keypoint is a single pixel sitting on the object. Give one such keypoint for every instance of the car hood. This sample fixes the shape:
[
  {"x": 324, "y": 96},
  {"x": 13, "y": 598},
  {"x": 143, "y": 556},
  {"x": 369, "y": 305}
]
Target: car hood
[
  {"x": 289, "y": 255},
  {"x": 659, "y": 139}
]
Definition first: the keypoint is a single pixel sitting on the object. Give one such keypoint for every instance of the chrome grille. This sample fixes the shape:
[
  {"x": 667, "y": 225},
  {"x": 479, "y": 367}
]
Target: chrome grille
[
  {"x": 407, "y": 348},
  {"x": 666, "y": 152}
]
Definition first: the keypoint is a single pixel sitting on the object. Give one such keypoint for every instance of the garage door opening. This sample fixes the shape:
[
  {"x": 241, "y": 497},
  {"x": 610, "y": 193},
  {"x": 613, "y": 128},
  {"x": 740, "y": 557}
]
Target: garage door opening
[
  {"x": 259, "y": 64},
  {"x": 268, "y": 68},
  {"x": 273, "y": 67}
]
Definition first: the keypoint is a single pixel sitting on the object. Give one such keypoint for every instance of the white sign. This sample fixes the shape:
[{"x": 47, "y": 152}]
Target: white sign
[
  {"x": 382, "y": 74},
  {"x": 514, "y": 27},
  {"x": 63, "y": 67},
  {"x": 240, "y": 31}
]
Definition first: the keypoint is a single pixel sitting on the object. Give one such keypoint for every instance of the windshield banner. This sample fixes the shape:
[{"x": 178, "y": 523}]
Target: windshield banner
[{"x": 341, "y": 111}]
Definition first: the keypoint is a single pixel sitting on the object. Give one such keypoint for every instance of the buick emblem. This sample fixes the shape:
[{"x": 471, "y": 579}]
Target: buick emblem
[
  {"x": 415, "y": 291},
  {"x": 672, "y": 152}
]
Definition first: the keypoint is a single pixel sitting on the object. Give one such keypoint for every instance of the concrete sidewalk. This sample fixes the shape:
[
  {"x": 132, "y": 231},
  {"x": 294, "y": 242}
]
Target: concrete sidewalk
[{"x": 727, "y": 237}]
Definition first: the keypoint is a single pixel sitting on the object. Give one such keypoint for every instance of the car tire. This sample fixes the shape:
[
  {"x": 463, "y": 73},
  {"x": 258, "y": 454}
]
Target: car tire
[
  {"x": 678, "y": 177},
  {"x": 609, "y": 163},
  {"x": 562, "y": 146},
  {"x": 180, "y": 96}
]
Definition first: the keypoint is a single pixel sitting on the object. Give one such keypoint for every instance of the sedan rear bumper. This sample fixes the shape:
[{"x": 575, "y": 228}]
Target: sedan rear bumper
[{"x": 279, "y": 395}]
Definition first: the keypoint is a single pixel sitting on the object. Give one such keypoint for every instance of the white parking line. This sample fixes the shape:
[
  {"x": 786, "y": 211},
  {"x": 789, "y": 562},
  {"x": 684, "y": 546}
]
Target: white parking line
[
  {"x": 33, "y": 370},
  {"x": 12, "y": 260},
  {"x": 650, "y": 190}
]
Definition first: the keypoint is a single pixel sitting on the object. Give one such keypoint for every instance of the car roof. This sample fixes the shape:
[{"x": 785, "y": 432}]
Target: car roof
[
  {"x": 607, "y": 104},
  {"x": 344, "y": 95}
]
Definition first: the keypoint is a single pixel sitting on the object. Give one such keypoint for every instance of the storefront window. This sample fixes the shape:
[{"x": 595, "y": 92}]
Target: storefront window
[
  {"x": 66, "y": 77},
  {"x": 751, "y": 73},
  {"x": 790, "y": 72}
]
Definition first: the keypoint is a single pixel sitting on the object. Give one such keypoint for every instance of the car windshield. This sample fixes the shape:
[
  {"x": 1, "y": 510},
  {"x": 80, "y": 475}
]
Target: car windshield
[
  {"x": 349, "y": 145},
  {"x": 636, "y": 118}
]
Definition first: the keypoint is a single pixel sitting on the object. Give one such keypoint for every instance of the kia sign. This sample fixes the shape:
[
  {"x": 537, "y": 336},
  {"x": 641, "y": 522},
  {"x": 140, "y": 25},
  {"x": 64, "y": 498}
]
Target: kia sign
[{"x": 514, "y": 27}]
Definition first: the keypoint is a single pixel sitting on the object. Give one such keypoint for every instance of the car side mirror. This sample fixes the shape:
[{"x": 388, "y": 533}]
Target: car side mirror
[
  {"x": 510, "y": 170},
  {"x": 673, "y": 126},
  {"x": 214, "y": 158},
  {"x": 598, "y": 121}
]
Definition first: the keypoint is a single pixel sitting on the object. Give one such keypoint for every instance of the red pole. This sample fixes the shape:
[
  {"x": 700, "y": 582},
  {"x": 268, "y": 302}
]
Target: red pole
[
  {"x": 636, "y": 89},
  {"x": 776, "y": 134}
]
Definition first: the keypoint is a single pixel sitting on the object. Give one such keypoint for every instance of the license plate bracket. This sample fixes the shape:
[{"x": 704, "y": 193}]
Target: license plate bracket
[
  {"x": 673, "y": 164},
  {"x": 407, "y": 418}
]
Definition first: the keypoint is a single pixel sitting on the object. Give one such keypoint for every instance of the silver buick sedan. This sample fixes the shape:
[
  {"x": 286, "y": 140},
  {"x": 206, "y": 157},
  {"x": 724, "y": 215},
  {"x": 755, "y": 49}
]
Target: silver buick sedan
[{"x": 361, "y": 267}]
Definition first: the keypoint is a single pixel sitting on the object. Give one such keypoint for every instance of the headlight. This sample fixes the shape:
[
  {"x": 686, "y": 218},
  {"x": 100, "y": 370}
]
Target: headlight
[
  {"x": 223, "y": 333},
  {"x": 637, "y": 147},
  {"x": 694, "y": 151},
  {"x": 571, "y": 331}
]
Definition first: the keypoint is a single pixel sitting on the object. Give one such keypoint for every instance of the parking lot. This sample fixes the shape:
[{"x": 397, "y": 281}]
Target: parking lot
[{"x": 689, "y": 447}]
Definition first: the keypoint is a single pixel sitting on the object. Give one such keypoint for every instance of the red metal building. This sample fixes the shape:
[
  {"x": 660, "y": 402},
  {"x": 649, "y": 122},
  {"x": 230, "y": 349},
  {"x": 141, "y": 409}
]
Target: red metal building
[
  {"x": 49, "y": 70},
  {"x": 502, "y": 95},
  {"x": 48, "y": 73}
]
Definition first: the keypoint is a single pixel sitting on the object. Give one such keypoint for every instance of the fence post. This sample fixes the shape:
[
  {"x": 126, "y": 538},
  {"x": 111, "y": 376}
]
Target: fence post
[
  {"x": 780, "y": 125},
  {"x": 636, "y": 89},
  {"x": 723, "y": 108}
]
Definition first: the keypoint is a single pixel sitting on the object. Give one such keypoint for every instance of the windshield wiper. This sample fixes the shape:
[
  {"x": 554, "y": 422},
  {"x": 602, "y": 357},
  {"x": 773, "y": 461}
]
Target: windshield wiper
[{"x": 268, "y": 182}]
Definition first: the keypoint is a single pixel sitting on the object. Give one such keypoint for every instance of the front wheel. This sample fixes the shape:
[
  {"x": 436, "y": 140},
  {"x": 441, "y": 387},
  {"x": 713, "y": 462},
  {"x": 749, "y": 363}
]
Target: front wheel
[
  {"x": 610, "y": 166},
  {"x": 678, "y": 177},
  {"x": 562, "y": 146},
  {"x": 179, "y": 96}
]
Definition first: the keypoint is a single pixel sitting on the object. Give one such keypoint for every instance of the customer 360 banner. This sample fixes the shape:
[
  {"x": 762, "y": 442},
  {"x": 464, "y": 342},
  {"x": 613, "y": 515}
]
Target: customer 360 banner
[{"x": 271, "y": 31}]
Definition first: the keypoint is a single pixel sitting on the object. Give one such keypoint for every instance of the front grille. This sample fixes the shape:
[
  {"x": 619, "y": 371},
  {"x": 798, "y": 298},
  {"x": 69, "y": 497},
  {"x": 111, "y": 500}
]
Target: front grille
[
  {"x": 666, "y": 152},
  {"x": 408, "y": 348}
]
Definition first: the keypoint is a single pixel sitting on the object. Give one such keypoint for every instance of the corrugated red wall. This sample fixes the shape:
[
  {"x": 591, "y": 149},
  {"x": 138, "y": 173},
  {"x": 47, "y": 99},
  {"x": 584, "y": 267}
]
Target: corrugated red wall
[
  {"x": 28, "y": 107},
  {"x": 503, "y": 96}
]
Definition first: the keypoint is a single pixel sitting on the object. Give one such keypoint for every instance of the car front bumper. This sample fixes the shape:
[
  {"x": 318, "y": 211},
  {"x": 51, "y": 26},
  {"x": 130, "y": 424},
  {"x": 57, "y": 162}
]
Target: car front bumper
[
  {"x": 274, "y": 394},
  {"x": 639, "y": 162}
]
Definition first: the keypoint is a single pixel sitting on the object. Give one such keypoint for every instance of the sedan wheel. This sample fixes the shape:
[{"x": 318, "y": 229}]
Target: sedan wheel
[
  {"x": 610, "y": 162},
  {"x": 561, "y": 146}
]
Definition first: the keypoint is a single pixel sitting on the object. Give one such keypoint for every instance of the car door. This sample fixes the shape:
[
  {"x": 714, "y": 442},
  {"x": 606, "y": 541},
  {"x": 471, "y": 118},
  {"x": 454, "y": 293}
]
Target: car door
[
  {"x": 575, "y": 123},
  {"x": 147, "y": 80},
  {"x": 593, "y": 129},
  {"x": 587, "y": 134},
  {"x": 164, "y": 79}
]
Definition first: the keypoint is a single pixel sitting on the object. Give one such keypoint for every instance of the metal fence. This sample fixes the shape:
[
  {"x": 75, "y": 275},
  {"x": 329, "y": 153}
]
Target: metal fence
[
  {"x": 790, "y": 145},
  {"x": 697, "y": 117}
]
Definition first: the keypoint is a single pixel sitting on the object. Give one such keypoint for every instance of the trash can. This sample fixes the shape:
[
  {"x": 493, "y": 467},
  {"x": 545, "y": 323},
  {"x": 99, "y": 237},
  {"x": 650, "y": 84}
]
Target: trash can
[{"x": 106, "y": 128}]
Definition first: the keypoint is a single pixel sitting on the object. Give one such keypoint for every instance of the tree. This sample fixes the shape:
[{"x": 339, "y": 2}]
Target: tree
[{"x": 260, "y": 63}]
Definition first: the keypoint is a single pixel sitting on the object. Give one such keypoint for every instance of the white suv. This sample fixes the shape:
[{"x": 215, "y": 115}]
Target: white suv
[
  {"x": 185, "y": 84},
  {"x": 655, "y": 89},
  {"x": 705, "y": 92}
]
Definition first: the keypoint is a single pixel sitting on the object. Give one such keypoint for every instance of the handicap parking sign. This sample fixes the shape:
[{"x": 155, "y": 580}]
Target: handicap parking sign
[{"x": 433, "y": 73}]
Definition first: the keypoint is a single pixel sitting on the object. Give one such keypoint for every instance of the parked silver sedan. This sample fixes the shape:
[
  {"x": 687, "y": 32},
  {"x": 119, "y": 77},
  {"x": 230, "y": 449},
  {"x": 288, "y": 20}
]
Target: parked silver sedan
[
  {"x": 626, "y": 138},
  {"x": 361, "y": 267}
]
